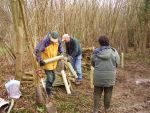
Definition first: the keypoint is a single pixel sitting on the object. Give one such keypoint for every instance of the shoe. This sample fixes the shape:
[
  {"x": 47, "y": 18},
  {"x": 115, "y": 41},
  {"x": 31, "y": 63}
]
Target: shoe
[
  {"x": 107, "y": 110},
  {"x": 95, "y": 112},
  {"x": 78, "y": 82},
  {"x": 50, "y": 95}
]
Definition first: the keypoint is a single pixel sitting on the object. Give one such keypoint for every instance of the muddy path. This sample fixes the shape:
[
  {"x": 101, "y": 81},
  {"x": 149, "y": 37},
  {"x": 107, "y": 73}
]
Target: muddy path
[{"x": 128, "y": 97}]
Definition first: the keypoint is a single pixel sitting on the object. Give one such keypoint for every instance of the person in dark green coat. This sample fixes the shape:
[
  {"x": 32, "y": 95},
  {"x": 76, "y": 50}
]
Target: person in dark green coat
[
  {"x": 73, "y": 50},
  {"x": 104, "y": 60}
]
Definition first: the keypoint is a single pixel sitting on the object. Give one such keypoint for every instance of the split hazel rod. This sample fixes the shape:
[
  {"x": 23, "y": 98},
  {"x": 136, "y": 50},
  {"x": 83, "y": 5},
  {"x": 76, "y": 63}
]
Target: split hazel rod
[{"x": 54, "y": 59}]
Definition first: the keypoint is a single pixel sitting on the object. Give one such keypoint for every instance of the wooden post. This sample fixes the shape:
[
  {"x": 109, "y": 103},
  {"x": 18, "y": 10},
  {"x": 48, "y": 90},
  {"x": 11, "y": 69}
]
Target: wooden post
[
  {"x": 65, "y": 82},
  {"x": 54, "y": 59},
  {"x": 71, "y": 68},
  {"x": 18, "y": 12},
  {"x": 65, "y": 62},
  {"x": 91, "y": 77},
  {"x": 122, "y": 60},
  {"x": 19, "y": 33},
  {"x": 11, "y": 105},
  {"x": 92, "y": 73}
]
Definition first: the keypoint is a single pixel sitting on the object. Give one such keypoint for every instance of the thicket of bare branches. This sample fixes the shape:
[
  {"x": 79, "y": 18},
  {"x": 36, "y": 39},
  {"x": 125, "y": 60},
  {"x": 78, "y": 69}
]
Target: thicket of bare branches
[
  {"x": 23, "y": 23},
  {"x": 126, "y": 22}
]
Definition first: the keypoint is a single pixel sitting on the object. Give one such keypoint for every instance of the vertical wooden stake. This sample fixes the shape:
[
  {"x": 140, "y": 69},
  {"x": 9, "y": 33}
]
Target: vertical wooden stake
[
  {"x": 91, "y": 77},
  {"x": 71, "y": 68},
  {"x": 11, "y": 106},
  {"x": 65, "y": 82},
  {"x": 92, "y": 73},
  {"x": 122, "y": 60}
]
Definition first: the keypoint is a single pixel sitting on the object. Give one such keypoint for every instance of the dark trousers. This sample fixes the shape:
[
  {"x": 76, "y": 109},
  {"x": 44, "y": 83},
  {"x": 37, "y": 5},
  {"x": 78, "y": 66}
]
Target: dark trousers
[
  {"x": 50, "y": 77},
  {"x": 107, "y": 97}
]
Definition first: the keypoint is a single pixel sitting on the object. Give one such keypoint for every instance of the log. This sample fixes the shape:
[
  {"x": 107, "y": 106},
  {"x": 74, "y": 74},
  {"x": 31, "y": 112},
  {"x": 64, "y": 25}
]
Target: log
[
  {"x": 68, "y": 64},
  {"x": 91, "y": 77},
  {"x": 54, "y": 59},
  {"x": 11, "y": 105},
  {"x": 71, "y": 79},
  {"x": 122, "y": 60},
  {"x": 30, "y": 73},
  {"x": 27, "y": 78},
  {"x": 65, "y": 82},
  {"x": 27, "y": 82},
  {"x": 70, "y": 86},
  {"x": 143, "y": 82},
  {"x": 88, "y": 49}
]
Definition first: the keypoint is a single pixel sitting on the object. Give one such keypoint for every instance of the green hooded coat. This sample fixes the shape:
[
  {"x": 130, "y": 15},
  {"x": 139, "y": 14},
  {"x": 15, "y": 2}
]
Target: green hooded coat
[{"x": 105, "y": 62}]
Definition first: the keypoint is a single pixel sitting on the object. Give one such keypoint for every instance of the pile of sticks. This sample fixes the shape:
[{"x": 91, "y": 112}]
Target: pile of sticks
[{"x": 86, "y": 61}]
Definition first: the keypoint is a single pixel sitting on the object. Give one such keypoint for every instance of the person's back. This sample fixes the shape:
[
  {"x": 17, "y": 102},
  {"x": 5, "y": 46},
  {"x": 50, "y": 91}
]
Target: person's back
[
  {"x": 104, "y": 66},
  {"x": 104, "y": 60}
]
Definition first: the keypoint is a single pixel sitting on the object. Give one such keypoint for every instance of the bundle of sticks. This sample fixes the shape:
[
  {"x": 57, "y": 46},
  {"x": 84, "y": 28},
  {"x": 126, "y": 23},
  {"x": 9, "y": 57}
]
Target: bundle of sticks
[{"x": 86, "y": 61}]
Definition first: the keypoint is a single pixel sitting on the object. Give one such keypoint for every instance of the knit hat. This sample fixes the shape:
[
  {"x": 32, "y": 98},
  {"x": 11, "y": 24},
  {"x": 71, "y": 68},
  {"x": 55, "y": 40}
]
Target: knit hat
[{"x": 54, "y": 36}]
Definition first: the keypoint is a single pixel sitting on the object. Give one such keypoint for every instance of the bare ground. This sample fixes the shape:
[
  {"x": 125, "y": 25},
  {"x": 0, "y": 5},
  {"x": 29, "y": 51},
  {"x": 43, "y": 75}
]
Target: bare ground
[{"x": 127, "y": 96}]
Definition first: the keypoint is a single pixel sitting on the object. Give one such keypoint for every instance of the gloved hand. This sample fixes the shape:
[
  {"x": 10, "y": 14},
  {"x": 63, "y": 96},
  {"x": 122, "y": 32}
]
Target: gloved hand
[
  {"x": 69, "y": 58},
  {"x": 63, "y": 54},
  {"x": 42, "y": 63}
]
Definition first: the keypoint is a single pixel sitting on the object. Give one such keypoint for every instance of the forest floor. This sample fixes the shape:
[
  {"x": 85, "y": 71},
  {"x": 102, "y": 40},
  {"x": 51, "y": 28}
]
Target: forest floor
[{"x": 128, "y": 97}]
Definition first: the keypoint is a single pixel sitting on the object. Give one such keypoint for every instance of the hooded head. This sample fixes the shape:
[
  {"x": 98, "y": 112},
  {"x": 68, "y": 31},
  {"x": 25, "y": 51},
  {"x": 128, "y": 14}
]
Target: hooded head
[
  {"x": 103, "y": 40},
  {"x": 105, "y": 51}
]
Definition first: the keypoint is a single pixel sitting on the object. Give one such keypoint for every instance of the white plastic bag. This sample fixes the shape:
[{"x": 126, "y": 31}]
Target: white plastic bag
[{"x": 13, "y": 89}]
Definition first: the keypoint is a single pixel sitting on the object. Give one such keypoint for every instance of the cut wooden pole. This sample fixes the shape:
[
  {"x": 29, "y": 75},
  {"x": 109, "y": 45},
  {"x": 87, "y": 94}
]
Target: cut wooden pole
[
  {"x": 91, "y": 77},
  {"x": 143, "y": 82},
  {"x": 68, "y": 64},
  {"x": 44, "y": 88},
  {"x": 70, "y": 86},
  {"x": 65, "y": 62},
  {"x": 122, "y": 60},
  {"x": 31, "y": 73},
  {"x": 92, "y": 73},
  {"x": 65, "y": 82},
  {"x": 27, "y": 82},
  {"x": 54, "y": 59},
  {"x": 27, "y": 78},
  {"x": 11, "y": 105}
]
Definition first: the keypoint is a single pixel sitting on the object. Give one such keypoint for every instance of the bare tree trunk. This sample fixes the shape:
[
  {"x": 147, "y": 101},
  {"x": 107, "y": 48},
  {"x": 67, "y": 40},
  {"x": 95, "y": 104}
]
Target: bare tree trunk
[
  {"x": 146, "y": 22},
  {"x": 18, "y": 12},
  {"x": 18, "y": 26}
]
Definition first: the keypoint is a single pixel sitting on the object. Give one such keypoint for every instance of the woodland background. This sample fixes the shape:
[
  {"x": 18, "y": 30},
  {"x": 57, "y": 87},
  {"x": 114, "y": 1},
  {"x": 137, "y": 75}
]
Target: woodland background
[{"x": 23, "y": 23}]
